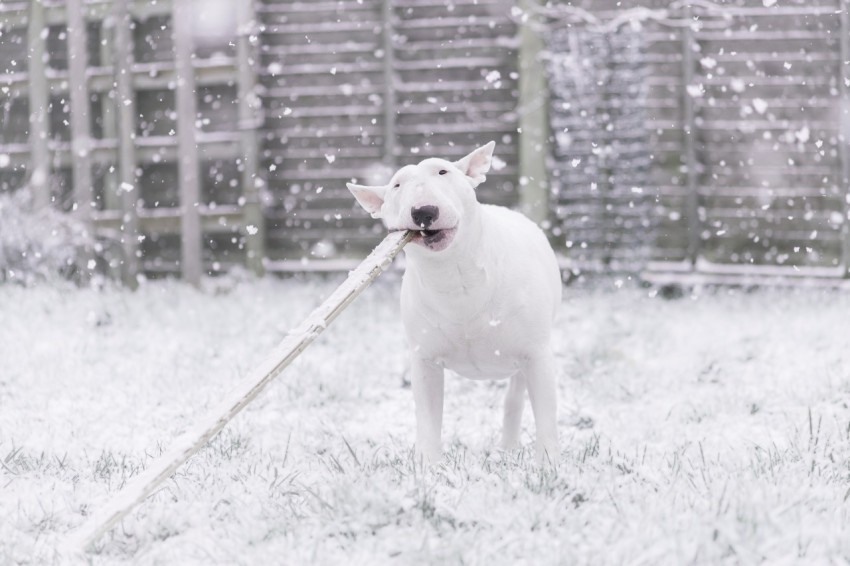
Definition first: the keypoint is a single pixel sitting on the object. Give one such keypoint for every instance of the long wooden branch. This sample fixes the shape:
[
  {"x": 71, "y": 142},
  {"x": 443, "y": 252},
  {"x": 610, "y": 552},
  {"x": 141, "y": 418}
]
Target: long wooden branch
[{"x": 139, "y": 487}]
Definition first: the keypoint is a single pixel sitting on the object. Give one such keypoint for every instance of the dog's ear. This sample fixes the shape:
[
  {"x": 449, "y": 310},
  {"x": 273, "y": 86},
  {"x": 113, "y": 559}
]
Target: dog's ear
[
  {"x": 370, "y": 198},
  {"x": 477, "y": 163}
]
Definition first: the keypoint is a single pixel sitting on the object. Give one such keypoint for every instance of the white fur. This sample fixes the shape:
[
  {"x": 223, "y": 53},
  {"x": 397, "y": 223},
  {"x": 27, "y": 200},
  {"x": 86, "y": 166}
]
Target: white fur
[{"x": 478, "y": 299}]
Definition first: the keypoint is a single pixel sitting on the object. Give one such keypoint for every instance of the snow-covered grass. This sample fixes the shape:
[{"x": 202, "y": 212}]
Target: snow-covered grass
[{"x": 709, "y": 429}]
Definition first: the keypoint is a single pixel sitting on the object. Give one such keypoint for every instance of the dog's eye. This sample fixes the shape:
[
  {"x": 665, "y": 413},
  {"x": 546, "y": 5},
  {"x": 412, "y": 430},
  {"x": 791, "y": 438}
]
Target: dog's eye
[
  {"x": 443, "y": 171},
  {"x": 397, "y": 185}
]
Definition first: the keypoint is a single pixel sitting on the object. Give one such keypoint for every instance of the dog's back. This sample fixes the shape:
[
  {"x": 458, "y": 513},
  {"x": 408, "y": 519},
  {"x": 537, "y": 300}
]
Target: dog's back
[{"x": 527, "y": 258}]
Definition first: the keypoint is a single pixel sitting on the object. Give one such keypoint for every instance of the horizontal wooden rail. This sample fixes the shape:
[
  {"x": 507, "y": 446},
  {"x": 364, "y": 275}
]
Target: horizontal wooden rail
[{"x": 15, "y": 14}]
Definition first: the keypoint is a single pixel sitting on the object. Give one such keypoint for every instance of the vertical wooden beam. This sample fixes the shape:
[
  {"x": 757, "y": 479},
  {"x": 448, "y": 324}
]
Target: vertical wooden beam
[
  {"x": 390, "y": 107},
  {"x": 80, "y": 110},
  {"x": 125, "y": 104},
  {"x": 108, "y": 108},
  {"x": 533, "y": 117},
  {"x": 844, "y": 134},
  {"x": 250, "y": 120},
  {"x": 39, "y": 170},
  {"x": 182, "y": 17},
  {"x": 689, "y": 134}
]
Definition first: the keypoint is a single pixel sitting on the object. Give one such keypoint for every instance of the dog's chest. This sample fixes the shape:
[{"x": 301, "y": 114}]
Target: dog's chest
[
  {"x": 470, "y": 317},
  {"x": 482, "y": 346}
]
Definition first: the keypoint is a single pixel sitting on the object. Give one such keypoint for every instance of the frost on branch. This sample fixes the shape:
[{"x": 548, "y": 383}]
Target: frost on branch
[{"x": 37, "y": 245}]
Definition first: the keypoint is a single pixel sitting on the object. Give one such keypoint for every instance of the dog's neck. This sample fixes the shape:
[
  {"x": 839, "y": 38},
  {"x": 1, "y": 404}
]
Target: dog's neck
[{"x": 458, "y": 269}]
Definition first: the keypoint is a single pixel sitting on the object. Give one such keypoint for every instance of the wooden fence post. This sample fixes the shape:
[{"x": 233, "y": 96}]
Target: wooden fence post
[
  {"x": 108, "y": 109},
  {"x": 125, "y": 103},
  {"x": 191, "y": 258},
  {"x": 39, "y": 167},
  {"x": 80, "y": 110},
  {"x": 844, "y": 132},
  {"x": 689, "y": 134},
  {"x": 390, "y": 108},
  {"x": 250, "y": 120},
  {"x": 533, "y": 118}
]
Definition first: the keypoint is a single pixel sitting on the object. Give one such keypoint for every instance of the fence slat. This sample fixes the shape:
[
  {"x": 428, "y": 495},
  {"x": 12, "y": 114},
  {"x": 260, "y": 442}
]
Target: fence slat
[
  {"x": 188, "y": 163},
  {"x": 109, "y": 117},
  {"x": 39, "y": 163},
  {"x": 125, "y": 103},
  {"x": 533, "y": 119},
  {"x": 80, "y": 105},
  {"x": 389, "y": 62},
  {"x": 250, "y": 120},
  {"x": 689, "y": 132},
  {"x": 844, "y": 132}
]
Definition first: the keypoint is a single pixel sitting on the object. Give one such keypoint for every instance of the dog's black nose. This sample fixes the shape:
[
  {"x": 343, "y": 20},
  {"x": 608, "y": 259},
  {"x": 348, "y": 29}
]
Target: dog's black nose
[{"x": 424, "y": 216}]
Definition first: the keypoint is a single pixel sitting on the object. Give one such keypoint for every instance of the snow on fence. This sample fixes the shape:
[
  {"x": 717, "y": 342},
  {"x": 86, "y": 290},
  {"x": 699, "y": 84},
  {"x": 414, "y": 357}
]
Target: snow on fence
[
  {"x": 601, "y": 150},
  {"x": 741, "y": 110},
  {"x": 138, "y": 108}
]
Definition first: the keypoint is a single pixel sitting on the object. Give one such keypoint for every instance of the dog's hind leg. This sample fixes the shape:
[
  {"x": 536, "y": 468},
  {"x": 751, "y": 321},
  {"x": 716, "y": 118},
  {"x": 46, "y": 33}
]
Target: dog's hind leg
[
  {"x": 539, "y": 373},
  {"x": 514, "y": 403},
  {"x": 427, "y": 382}
]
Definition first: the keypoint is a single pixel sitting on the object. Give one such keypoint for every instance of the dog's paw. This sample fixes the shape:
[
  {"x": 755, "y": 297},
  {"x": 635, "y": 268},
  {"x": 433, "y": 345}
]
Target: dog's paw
[
  {"x": 427, "y": 458},
  {"x": 547, "y": 455}
]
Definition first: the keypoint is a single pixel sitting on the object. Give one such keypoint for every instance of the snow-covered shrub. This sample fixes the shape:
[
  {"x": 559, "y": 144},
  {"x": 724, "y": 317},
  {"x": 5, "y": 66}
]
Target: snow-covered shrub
[{"x": 40, "y": 244}]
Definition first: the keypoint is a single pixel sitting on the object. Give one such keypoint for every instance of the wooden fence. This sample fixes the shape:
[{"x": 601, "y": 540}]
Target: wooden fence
[
  {"x": 197, "y": 155},
  {"x": 685, "y": 139},
  {"x": 732, "y": 121}
]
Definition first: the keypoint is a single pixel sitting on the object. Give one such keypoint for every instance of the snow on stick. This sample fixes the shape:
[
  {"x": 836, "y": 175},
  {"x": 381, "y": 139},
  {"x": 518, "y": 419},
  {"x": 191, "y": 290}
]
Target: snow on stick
[{"x": 139, "y": 487}]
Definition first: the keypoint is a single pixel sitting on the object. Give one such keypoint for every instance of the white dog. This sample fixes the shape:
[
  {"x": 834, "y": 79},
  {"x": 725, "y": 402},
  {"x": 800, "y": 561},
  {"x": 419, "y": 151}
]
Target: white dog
[{"x": 479, "y": 294}]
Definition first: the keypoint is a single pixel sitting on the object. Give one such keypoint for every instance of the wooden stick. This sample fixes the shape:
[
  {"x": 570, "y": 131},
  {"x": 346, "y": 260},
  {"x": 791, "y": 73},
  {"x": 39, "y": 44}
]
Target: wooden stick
[{"x": 139, "y": 487}]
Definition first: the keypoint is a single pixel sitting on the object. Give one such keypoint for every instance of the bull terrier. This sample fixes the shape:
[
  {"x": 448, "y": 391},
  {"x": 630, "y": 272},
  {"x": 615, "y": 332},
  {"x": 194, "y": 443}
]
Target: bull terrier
[{"x": 479, "y": 295}]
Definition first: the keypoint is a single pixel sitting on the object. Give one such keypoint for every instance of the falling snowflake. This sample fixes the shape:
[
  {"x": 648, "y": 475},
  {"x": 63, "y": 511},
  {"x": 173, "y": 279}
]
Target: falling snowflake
[
  {"x": 737, "y": 85},
  {"x": 696, "y": 91}
]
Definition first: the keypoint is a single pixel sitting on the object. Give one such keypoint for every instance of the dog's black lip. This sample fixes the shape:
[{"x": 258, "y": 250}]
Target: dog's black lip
[
  {"x": 419, "y": 230},
  {"x": 427, "y": 238}
]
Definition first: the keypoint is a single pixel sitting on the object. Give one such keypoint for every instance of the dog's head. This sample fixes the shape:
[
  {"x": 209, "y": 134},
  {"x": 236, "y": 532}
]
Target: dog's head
[{"x": 431, "y": 197}]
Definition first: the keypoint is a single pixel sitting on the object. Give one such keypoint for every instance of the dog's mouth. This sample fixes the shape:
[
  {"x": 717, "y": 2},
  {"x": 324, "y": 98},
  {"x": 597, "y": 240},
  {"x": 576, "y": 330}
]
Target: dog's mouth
[{"x": 435, "y": 240}]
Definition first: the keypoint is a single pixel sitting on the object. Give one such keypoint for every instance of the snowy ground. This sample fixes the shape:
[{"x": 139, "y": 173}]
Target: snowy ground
[{"x": 709, "y": 429}]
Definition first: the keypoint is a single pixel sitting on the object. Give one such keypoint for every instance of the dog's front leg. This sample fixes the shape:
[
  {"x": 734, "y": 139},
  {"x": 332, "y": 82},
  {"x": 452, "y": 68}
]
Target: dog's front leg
[
  {"x": 514, "y": 402},
  {"x": 539, "y": 373},
  {"x": 427, "y": 382}
]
